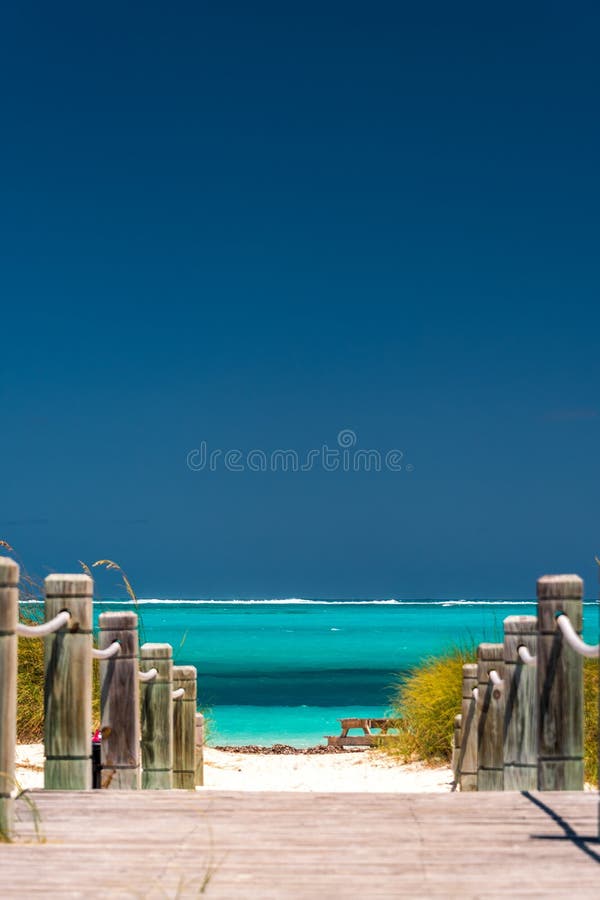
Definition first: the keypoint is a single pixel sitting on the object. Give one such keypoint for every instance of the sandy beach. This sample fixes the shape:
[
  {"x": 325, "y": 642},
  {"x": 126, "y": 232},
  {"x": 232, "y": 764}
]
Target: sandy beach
[{"x": 227, "y": 770}]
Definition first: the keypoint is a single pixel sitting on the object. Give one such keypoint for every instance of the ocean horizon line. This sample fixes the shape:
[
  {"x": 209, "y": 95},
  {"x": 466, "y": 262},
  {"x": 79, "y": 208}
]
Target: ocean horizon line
[{"x": 301, "y": 601}]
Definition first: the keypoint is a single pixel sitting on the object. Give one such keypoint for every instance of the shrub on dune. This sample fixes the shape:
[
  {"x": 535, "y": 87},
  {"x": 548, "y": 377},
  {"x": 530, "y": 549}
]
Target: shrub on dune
[{"x": 427, "y": 702}]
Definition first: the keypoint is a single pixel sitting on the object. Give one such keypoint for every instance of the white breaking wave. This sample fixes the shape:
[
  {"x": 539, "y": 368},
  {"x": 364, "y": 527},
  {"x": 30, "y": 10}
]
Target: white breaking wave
[
  {"x": 294, "y": 601},
  {"x": 484, "y": 603}
]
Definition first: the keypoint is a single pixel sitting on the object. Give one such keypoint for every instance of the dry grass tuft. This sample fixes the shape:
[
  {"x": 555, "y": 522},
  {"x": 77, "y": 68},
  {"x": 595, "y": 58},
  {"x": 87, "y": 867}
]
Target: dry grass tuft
[
  {"x": 591, "y": 738},
  {"x": 30, "y": 685},
  {"x": 110, "y": 564}
]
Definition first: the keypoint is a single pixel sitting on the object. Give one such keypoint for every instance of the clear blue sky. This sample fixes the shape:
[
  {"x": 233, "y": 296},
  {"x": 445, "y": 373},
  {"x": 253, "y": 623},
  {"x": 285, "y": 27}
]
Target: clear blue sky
[{"x": 258, "y": 224}]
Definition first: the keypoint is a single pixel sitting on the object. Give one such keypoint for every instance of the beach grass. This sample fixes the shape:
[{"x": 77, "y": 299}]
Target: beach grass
[
  {"x": 591, "y": 734},
  {"x": 427, "y": 702},
  {"x": 30, "y": 687}
]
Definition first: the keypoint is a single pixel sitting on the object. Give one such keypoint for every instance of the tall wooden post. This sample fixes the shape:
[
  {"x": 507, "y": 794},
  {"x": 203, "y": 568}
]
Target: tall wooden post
[
  {"x": 120, "y": 702},
  {"x": 467, "y": 760},
  {"x": 184, "y": 728},
  {"x": 520, "y": 711},
  {"x": 199, "y": 780},
  {"x": 157, "y": 717},
  {"x": 9, "y": 615},
  {"x": 490, "y": 714},
  {"x": 560, "y": 686},
  {"x": 68, "y": 685}
]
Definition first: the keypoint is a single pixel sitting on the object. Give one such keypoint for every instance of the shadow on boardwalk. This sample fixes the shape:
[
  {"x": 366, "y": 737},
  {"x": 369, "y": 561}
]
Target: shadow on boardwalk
[{"x": 579, "y": 840}]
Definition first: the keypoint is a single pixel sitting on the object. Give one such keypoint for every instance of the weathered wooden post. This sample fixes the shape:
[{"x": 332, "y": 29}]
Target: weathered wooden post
[
  {"x": 157, "y": 717},
  {"x": 467, "y": 761},
  {"x": 120, "y": 702},
  {"x": 184, "y": 728},
  {"x": 456, "y": 746},
  {"x": 199, "y": 780},
  {"x": 490, "y": 714},
  {"x": 68, "y": 685},
  {"x": 560, "y": 686},
  {"x": 9, "y": 615},
  {"x": 520, "y": 711}
]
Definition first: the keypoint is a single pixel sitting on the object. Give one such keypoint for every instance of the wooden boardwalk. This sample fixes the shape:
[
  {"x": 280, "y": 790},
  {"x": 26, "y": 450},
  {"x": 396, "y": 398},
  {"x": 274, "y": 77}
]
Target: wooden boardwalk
[{"x": 160, "y": 844}]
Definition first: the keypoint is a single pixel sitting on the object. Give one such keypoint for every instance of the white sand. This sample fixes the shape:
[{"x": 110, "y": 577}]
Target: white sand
[
  {"x": 359, "y": 771},
  {"x": 351, "y": 771},
  {"x": 30, "y": 766}
]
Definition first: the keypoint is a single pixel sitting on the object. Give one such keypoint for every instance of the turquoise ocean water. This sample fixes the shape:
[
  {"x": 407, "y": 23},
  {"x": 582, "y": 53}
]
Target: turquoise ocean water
[{"x": 284, "y": 671}]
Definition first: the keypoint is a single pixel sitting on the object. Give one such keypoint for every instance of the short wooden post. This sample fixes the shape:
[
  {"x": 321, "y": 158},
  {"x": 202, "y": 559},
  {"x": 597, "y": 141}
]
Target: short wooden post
[
  {"x": 68, "y": 685},
  {"x": 9, "y": 616},
  {"x": 157, "y": 717},
  {"x": 467, "y": 760},
  {"x": 490, "y": 714},
  {"x": 560, "y": 686},
  {"x": 120, "y": 702},
  {"x": 199, "y": 780},
  {"x": 184, "y": 728},
  {"x": 520, "y": 711},
  {"x": 456, "y": 746}
]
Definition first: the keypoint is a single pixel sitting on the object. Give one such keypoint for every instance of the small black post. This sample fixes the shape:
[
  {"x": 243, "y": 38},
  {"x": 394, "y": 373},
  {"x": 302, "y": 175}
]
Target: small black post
[{"x": 97, "y": 760}]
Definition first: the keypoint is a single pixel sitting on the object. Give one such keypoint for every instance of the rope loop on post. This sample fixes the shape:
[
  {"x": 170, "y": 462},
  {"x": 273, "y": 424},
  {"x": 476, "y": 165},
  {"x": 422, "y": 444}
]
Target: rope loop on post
[
  {"x": 475, "y": 693},
  {"x": 525, "y": 656},
  {"x": 178, "y": 693},
  {"x": 150, "y": 675},
  {"x": 573, "y": 640},
  {"x": 110, "y": 651},
  {"x": 495, "y": 679},
  {"x": 46, "y": 627}
]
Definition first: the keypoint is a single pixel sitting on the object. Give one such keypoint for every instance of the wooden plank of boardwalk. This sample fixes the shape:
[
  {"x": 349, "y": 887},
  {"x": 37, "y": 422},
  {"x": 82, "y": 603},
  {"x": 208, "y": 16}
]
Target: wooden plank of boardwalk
[{"x": 158, "y": 844}]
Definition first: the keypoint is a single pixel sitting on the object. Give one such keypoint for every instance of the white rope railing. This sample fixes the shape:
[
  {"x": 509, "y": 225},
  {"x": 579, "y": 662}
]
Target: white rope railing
[
  {"x": 110, "y": 651},
  {"x": 178, "y": 693},
  {"x": 45, "y": 627},
  {"x": 150, "y": 675},
  {"x": 525, "y": 656},
  {"x": 573, "y": 640},
  {"x": 494, "y": 679}
]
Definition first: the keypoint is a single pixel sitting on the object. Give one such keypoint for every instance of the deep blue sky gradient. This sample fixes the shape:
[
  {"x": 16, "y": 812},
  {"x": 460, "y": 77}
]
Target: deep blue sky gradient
[{"x": 258, "y": 224}]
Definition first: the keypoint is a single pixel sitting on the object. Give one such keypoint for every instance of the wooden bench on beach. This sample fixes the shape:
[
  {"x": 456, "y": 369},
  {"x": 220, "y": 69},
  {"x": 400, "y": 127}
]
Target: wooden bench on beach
[{"x": 367, "y": 738}]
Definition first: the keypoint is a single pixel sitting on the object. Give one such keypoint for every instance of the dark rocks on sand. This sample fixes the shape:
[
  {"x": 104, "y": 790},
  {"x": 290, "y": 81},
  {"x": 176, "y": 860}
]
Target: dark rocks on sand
[{"x": 287, "y": 749}]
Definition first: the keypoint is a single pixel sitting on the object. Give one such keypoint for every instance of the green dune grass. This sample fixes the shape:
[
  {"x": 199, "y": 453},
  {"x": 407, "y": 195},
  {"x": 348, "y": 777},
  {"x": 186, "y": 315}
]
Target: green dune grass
[{"x": 427, "y": 702}]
